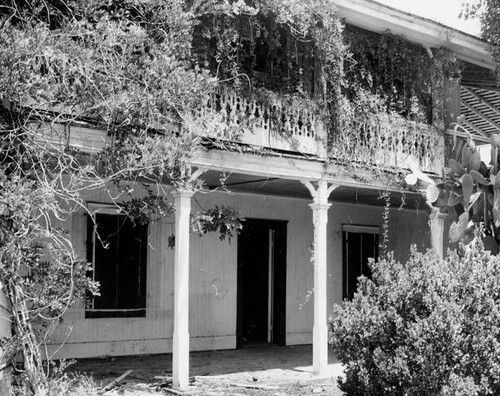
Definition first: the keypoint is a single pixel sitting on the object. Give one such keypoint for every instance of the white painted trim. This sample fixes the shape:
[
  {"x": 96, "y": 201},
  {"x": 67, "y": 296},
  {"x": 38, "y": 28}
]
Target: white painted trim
[
  {"x": 284, "y": 168},
  {"x": 259, "y": 165},
  {"x": 102, "y": 208},
  {"x": 361, "y": 229}
]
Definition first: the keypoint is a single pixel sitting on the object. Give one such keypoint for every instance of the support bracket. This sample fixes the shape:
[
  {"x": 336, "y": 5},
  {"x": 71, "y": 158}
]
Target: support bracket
[{"x": 322, "y": 191}]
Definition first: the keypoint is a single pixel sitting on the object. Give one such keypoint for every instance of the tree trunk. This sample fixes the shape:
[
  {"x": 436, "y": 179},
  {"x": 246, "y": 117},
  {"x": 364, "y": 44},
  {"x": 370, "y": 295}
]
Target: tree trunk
[{"x": 23, "y": 330}]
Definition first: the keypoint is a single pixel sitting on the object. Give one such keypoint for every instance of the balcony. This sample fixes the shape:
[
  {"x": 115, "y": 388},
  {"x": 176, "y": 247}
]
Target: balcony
[
  {"x": 390, "y": 143},
  {"x": 378, "y": 140}
]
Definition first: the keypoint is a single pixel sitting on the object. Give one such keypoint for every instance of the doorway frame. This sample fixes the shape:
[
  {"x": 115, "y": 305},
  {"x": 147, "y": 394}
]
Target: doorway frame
[
  {"x": 354, "y": 229},
  {"x": 278, "y": 265}
]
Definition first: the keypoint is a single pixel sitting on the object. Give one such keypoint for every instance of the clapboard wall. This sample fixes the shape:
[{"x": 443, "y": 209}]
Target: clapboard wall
[{"x": 213, "y": 277}]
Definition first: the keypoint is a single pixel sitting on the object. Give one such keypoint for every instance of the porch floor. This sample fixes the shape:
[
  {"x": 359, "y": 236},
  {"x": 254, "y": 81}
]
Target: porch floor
[{"x": 252, "y": 370}]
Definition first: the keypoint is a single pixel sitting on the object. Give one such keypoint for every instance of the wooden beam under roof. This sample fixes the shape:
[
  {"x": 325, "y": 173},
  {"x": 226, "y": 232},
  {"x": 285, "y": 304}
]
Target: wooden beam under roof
[
  {"x": 481, "y": 99},
  {"x": 481, "y": 115}
]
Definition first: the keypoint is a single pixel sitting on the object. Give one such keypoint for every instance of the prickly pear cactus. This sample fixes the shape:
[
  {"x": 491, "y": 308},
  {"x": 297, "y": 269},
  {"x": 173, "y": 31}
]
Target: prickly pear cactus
[{"x": 470, "y": 190}]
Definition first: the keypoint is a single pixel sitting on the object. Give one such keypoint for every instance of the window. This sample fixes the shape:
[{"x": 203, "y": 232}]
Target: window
[
  {"x": 117, "y": 249},
  {"x": 360, "y": 244}
]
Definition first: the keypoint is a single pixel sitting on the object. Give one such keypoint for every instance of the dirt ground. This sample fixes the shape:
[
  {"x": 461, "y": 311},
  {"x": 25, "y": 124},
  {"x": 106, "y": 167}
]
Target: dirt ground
[{"x": 254, "y": 371}]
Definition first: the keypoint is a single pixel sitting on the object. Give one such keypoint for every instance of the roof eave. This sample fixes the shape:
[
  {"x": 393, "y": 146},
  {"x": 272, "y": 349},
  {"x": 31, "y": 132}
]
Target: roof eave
[{"x": 377, "y": 17}]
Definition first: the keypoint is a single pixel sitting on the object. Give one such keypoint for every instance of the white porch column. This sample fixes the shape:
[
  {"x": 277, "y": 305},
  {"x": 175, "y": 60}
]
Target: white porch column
[
  {"x": 436, "y": 222},
  {"x": 180, "y": 357},
  {"x": 320, "y": 208}
]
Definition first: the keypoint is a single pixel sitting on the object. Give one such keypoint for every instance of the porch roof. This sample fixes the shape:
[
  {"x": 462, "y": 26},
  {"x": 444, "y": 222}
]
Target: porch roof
[
  {"x": 377, "y": 17},
  {"x": 481, "y": 107},
  {"x": 278, "y": 176}
]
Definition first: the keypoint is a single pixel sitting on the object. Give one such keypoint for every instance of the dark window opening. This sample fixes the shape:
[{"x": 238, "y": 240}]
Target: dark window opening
[
  {"x": 359, "y": 247},
  {"x": 117, "y": 249}
]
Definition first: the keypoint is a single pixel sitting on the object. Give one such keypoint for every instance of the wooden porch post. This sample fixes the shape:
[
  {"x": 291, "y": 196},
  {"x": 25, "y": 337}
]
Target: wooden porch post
[
  {"x": 437, "y": 231},
  {"x": 180, "y": 357},
  {"x": 320, "y": 208}
]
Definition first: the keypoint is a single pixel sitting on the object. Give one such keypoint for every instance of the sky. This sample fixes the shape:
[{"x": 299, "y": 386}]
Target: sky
[{"x": 443, "y": 11}]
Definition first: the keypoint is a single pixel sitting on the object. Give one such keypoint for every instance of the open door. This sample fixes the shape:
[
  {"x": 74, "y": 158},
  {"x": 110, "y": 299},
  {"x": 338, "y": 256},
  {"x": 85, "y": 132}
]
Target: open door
[{"x": 261, "y": 310}]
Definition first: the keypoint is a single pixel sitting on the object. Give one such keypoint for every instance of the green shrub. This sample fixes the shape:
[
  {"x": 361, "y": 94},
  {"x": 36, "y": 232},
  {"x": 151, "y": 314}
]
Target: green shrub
[{"x": 426, "y": 327}]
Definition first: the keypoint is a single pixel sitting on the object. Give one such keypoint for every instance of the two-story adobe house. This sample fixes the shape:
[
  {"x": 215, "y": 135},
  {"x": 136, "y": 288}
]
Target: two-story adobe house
[{"x": 316, "y": 207}]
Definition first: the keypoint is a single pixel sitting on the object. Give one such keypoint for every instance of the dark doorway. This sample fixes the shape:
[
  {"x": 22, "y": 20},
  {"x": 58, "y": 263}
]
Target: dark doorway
[
  {"x": 360, "y": 244},
  {"x": 261, "y": 282}
]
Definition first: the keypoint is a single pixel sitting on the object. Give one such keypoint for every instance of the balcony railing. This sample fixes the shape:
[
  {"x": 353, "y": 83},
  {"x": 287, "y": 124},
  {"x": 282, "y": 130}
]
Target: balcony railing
[
  {"x": 390, "y": 143},
  {"x": 375, "y": 140},
  {"x": 271, "y": 124}
]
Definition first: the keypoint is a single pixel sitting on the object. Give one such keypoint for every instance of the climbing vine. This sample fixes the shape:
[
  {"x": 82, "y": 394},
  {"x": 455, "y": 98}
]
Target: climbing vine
[
  {"x": 384, "y": 243},
  {"x": 263, "y": 48},
  {"x": 347, "y": 77},
  {"x": 394, "y": 100}
]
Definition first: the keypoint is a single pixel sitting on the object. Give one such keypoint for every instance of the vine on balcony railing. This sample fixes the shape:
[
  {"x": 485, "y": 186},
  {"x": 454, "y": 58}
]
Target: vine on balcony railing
[
  {"x": 388, "y": 141},
  {"x": 269, "y": 112},
  {"x": 276, "y": 121},
  {"x": 371, "y": 138}
]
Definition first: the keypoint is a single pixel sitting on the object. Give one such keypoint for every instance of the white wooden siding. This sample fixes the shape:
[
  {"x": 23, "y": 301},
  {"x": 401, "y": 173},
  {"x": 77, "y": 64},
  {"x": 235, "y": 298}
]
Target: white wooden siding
[{"x": 213, "y": 277}]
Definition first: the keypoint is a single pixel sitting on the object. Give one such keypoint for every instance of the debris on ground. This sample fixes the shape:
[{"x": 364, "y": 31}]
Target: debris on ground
[
  {"x": 113, "y": 383},
  {"x": 278, "y": 371}
]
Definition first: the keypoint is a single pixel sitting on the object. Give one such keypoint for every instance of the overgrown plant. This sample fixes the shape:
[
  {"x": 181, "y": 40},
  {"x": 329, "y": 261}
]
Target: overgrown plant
[
  {"x": 368, "y": 136},
  {"x": 220, "y": 219},
  {"x": 408, "y": 78},
  {"x": 470, "y": 190},
  {"x": 424, "y": 327},
  {"x": 41, "y": 276},
  {"x": 122, "y": 67},
  {"x": 391, "y": 84}
]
